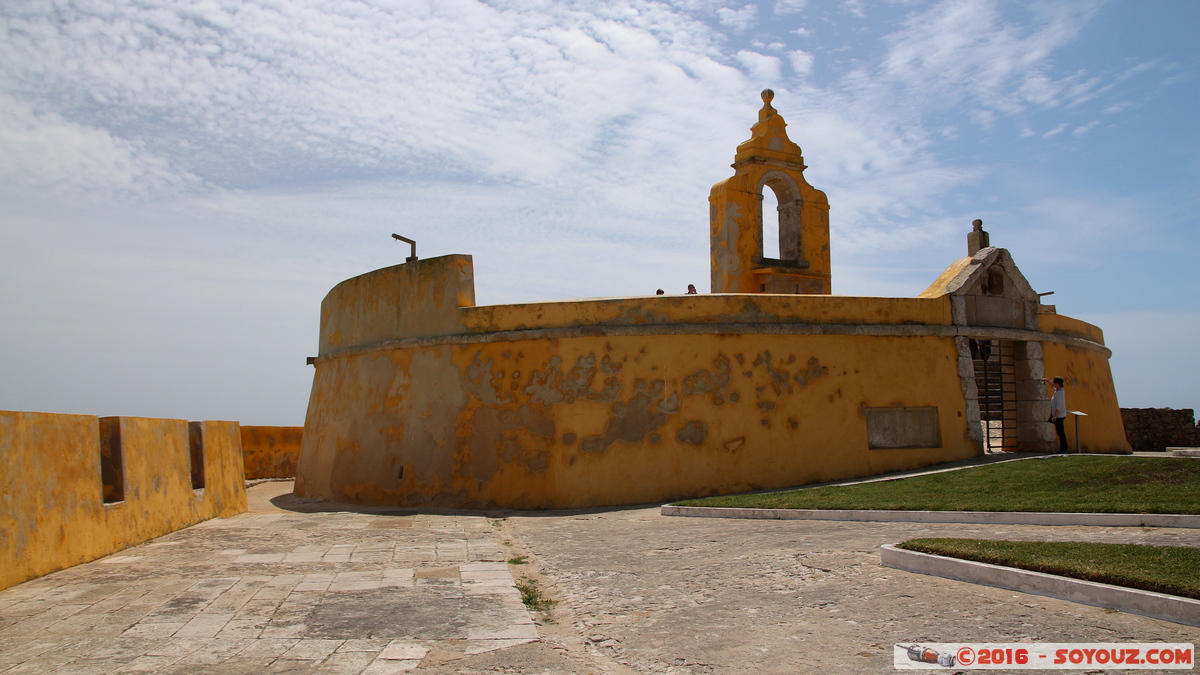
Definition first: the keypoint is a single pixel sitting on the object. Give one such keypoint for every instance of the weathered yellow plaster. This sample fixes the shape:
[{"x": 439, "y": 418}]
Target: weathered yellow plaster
[
  {"x": 1058, "y": 324},
  {"x": 737, "y": 224},
  {"x": 1089, "y": 389},
  {"x": 422, "y": 398},
  {"x": 706, "y": 309},
  {"x": 52, "y": 513},
  {"x": 270, "y": 452},
  {"x": 581, "y": 421}
]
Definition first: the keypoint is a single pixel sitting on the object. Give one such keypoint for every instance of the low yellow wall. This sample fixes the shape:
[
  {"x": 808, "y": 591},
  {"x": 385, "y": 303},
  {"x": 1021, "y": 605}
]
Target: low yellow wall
[
  {"x": 1057, "y": 324},
  {"x": 52, "y": 513},
  {"x": 1090, "y": 389},
  {"x": 708, "y": 309},
  {"x": 271, "y": 452}
]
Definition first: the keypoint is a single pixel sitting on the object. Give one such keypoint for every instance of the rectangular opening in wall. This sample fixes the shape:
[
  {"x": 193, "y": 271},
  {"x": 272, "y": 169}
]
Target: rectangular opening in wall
[
  {"x": 196, "y": 446},
  {"x": 902, "y": 427},
  {"x": 112, "y": 466}
]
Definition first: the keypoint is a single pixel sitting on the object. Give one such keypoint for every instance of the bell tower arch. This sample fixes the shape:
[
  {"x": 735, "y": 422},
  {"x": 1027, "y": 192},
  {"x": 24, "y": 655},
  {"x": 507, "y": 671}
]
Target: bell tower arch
[{"x": 738, "y": 226}]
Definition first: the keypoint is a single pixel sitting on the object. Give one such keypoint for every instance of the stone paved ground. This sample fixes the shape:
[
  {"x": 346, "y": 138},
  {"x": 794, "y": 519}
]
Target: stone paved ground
[
  {"x": 309, "y": 588},
  {"x": 694, "y": 595},
  {"x": 274, "y": 591}
]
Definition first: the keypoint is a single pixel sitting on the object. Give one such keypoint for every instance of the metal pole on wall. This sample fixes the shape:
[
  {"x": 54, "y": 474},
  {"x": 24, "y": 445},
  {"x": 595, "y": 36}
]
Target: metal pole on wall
[{"x": 413, "y": 257}]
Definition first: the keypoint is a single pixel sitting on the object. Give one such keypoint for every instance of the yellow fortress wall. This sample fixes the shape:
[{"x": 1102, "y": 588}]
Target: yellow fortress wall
[
  {"x": 422, "y": 398},
  {"x": 270, "y": 452},
  {"x": 617, "y": 401},
  {"x": 1089, "y": 388},
  {"x": 53, "y": 512},
  {"x": 620, "y": 413}
]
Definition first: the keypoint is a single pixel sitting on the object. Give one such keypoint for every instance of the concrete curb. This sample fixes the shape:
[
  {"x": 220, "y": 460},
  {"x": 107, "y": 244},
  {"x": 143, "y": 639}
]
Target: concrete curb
[
  {"x": 1146, "y": 603},
  {"x": 971, "y": 517}
]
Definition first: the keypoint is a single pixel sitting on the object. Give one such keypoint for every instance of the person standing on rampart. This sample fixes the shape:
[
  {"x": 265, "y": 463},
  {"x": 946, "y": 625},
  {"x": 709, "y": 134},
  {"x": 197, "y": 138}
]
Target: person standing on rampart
[{"x": 1058, "y": 410}]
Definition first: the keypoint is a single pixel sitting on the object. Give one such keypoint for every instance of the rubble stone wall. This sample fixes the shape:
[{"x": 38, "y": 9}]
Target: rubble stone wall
[{"x": 1156, "y": 429}]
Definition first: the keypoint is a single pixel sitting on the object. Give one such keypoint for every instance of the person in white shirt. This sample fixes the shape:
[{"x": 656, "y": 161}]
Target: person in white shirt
[{"x": 1058, "y": 410}]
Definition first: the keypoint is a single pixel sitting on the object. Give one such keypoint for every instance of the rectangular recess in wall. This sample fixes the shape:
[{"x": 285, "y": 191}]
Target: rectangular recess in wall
[
  {"x": 112, "y": 466},
  {"x": 196, "y": 454},
  {"x": 902, "y": 427}
]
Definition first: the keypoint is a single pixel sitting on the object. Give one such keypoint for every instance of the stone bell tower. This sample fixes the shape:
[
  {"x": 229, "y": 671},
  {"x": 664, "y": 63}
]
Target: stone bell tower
[{"x": 737, "y": 224}]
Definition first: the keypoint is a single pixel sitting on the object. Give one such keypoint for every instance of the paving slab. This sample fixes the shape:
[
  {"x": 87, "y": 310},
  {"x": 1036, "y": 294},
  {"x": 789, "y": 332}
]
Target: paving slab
[
  {"x": 659, "y": 594},
  {"x": 288, "y": 587},
  {"x": 326, "y": 588}
]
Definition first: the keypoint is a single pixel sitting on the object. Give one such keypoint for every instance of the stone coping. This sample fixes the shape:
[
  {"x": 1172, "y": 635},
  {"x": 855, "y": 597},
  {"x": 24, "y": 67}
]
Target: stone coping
[
  {"x": 971, "y": 517},
  {"x": 1133, "y": 601},
  {"x": 685, "y": 328}
]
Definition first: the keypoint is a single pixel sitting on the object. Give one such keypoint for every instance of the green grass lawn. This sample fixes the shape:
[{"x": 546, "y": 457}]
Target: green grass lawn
[
  {"x": 1073, "y": 484},
  {"x": 1174, "y": 570}
]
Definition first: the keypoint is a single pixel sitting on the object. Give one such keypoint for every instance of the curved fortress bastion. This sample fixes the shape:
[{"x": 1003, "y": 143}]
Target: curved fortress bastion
[{"x": 420, "y": 398}]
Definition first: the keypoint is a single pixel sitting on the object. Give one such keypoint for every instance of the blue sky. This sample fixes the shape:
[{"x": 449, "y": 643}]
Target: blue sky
[{"x": 182, "y": 182}]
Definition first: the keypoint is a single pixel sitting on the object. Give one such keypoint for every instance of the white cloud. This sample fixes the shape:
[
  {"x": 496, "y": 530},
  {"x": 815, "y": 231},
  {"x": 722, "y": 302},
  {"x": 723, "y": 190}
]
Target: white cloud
[
  {"x": 802, "y": 62},
  {"x": 1055, "y": 131},
  {"x": 1085, "y": 128},
  {"x": 761, "y": 67},
  {"x": 783, "y": 7},
  {"x": 965, "y": 51},
  {"x": 45, "y": 151},
  {"x": 738, "y": 19},
  {"x": 529, "y": 97}
]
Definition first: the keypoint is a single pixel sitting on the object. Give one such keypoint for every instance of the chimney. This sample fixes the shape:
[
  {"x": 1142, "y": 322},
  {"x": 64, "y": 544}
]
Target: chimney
[{"x": 977, "y": 238}]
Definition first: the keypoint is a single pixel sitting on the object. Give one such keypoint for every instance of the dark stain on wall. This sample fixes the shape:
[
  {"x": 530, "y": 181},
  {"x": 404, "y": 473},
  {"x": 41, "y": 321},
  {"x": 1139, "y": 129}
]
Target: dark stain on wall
[
  {"x": 633, "y": 420},
  {"x": 482, "y": 383},
  {"x": 813, "y": 371},
  {"x": 716, "y": 382},
  {"x": 553, "y": 386},
  {"x": 779, "y": 378},
  {"x": 501, "y": 436},
  {"x": 694, "y": 432}
]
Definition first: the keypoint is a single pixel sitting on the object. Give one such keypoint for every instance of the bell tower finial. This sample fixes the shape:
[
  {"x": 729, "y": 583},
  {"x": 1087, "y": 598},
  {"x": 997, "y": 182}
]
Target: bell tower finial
[
  {"x": 767, "y": 111},
  {"x": 978, "y": 238}
]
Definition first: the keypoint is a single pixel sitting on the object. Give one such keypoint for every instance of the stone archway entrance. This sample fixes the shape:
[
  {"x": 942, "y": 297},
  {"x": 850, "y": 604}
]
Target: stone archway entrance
[
  {"x": 1010, "y": 406},
  {"x": 996, "y": 386}
]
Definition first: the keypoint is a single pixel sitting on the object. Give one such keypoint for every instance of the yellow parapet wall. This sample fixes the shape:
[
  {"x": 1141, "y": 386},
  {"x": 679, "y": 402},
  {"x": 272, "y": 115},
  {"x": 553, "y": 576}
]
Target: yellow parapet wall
[
  {"x": 1057, "y": 324},
  {"x": 75, "y": 488},
  {"x": 708, "y": 310},
  {"x": 271, "y": 452},
  {"x": 631, "y": 400}
]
